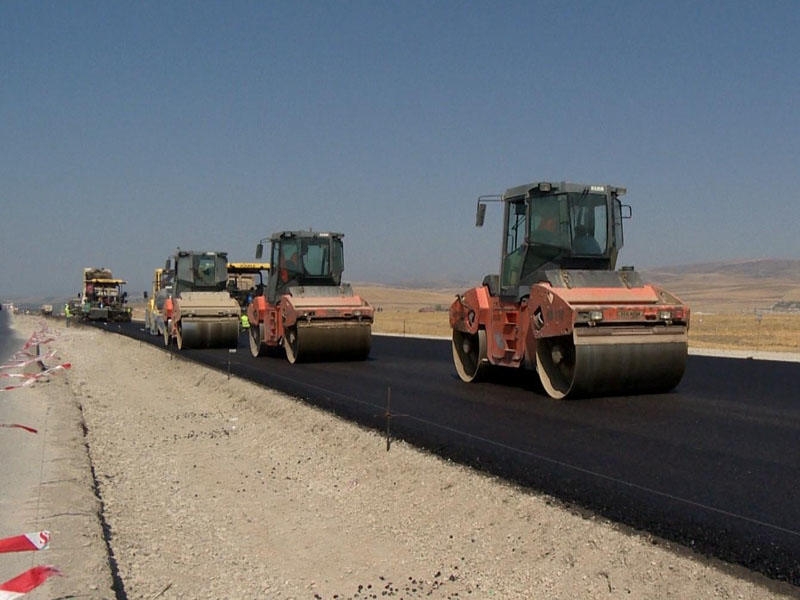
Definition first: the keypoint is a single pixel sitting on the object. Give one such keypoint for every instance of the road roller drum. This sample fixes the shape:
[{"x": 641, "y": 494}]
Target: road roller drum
[
  {"x": 328, "y": 341},
  {"x": 208, "y": 333},
  {"x": 610, "y": 366}
]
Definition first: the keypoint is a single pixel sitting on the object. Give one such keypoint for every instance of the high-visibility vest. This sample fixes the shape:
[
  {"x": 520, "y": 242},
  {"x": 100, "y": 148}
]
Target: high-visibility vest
[{"x": 245, "y": 322}]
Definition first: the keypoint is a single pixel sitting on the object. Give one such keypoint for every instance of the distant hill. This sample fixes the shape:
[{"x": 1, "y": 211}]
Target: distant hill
[
  {"x": 756, "y": 269},
  {"x": 742, "y": 285}
]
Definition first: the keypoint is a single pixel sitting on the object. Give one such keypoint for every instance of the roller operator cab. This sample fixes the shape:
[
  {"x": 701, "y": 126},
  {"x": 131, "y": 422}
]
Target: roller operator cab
[
  {"x": 306, "y": 308},
  {"x": 198, "y": 311},
  {"x": 558, "y": 306}
]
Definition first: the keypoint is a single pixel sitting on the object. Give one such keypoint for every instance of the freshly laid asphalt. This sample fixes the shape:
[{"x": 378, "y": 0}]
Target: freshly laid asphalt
[{"x": 713, "y": 465}]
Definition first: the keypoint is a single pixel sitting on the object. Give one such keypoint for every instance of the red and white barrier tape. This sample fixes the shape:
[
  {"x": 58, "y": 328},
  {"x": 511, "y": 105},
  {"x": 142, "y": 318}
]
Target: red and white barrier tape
[
  {"x": 30, "y": 354},
  {"x": 36, "y": 340},
  {"x": 42, "y": 336},
  {"x": 27, "y": 581},
  {"x": 17, "y": 425},
  {"x": 26, "y": 542},
  {"x": 23, "y": 361},
  {"x": 35, "y": 375},
  {"x": 31, "y": 378}
]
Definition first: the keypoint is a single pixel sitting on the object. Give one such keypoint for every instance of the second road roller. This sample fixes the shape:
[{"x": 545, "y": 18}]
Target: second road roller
[
  {"x": 306, "y": 309},
  {"x": 559, "y": 307},
  {"x": 198, "y": 311}
]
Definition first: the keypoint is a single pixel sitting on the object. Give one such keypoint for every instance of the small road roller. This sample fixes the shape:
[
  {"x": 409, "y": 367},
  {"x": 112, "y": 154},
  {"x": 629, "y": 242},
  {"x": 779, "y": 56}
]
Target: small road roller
[
  {"x": 306, "y": 309},
  {"x": 559, "y": 307}
]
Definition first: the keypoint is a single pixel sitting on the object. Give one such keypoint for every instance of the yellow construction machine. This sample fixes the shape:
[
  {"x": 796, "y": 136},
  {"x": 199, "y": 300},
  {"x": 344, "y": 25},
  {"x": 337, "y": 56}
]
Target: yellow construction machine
[
  {"x": 101, "y": 297},
  {"x": 246, "y": 280}
]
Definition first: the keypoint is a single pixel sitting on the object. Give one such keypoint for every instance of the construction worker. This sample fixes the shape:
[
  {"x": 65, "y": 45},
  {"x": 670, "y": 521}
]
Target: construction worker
[
  {"x": 290, "y": 267},
  {"x": 545, "y": 220},
  {"x": 67, "y": 314},
  {"x": 245, "y": 322},
  {"x": 547, "y": 213}
]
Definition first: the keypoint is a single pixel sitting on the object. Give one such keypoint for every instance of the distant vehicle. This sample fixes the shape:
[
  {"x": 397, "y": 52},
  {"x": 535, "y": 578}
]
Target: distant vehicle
[
  {"x": 198, "y": 312},
  {"x": 101, "y": 297},
  {"x": 246, "y": 280},
  {"x": 306, "y": 308}
]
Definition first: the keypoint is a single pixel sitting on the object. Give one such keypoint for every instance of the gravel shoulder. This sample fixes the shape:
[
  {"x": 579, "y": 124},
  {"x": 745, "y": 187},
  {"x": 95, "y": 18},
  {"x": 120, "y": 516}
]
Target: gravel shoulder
[{"x": 218, "y": 488}]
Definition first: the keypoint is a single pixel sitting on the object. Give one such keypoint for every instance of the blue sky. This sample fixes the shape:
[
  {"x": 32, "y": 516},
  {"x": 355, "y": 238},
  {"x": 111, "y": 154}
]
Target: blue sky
[{"x": 131, "y": 128}]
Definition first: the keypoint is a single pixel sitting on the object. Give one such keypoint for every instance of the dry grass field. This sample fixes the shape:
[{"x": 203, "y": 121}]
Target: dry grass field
[
  {"x": 773, "y": 332},
  {"x": 409, "y": 311},
  {"x": 732, "y": 304}
]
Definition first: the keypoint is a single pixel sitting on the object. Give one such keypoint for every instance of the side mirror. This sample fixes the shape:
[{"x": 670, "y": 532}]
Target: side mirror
[
  {"x": 259, "y": 250},
  {"x": 168, "y": 265},
  {"x": 480, "y": 216},
  {"x": 481, "y": 213},
  {"x": 145, "y": 295}
]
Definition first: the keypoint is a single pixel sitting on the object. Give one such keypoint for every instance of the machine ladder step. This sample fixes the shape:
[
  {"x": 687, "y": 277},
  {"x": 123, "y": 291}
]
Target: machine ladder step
[{"x": 510, "y": 330}]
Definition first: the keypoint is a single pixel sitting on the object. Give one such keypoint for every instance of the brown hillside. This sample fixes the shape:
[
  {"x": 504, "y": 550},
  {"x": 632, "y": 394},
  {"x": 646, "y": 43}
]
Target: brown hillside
[{"x": 732, "y": 287}]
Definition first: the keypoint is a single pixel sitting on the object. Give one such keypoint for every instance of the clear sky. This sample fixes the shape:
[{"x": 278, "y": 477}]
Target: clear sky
[{"x": 131, "y": 128}]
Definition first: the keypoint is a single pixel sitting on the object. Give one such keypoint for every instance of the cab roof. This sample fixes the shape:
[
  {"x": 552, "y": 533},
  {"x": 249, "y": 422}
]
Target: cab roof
[
  {"x": 247, "y": 267},
  {"x": 282, "y": 235},
  {"x": 562, "y": 186}
]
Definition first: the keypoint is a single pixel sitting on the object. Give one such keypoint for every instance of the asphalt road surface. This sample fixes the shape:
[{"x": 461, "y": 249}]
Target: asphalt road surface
[{"x": 713, "y": 465}]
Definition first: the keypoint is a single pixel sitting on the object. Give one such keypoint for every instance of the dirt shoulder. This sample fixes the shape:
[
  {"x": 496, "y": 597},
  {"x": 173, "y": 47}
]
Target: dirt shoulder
[
  {"x": 46, "y": 478},
  {"x": 218, "y": 488}
]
